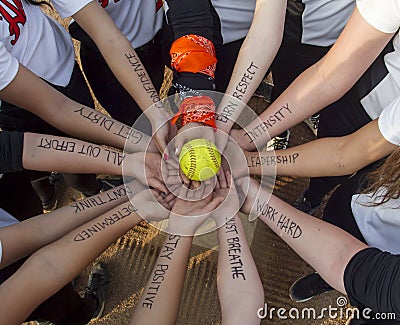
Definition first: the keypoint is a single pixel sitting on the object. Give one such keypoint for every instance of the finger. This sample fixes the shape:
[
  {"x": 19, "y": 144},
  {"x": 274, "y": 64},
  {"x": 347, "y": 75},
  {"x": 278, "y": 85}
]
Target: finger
[
  {"x": 172, "y": 180},
  {"x": 198, "y": 193},
  {"x": 229, "y": 179},
  {"x": 179, "y": 142},
  {"x": 195, "y": 184},
  {"x": 172, "y": 203},
  {"x": 214, "y": 203},
  {"x": 170, "y": 197},
  {"x": 183, "y": 192},
  {"x": 184, "y": 177},
  {"x": 158, "y": 185},
  {"x": 217, "y": 186},
  {"x": 172, "y": 188},
  {"x": 172, "y": 163},
  {"x": 221, "y": 140},
  {"x": 173, "y": 173},
  {"x": 222, "y": 179}
]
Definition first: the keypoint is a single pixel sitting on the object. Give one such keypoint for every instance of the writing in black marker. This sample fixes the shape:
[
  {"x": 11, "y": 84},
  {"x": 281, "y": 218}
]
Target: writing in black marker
[
  {"x": 271, "y": 120},
  {"x": 157, "y": 278},
  {"x": 169, "y": 246},
  {"x": 272, "y": 160},
  {"x": 227, "y": 112},
  {"x": 243, "y": 84},
  {"x": 105, "y": 223},
  {"x": 144, "y": 78},
  {"x": 133, "y": 135},
  {"x": 101, "y": 199},
  {"x": 59, "y": 145},
  {"x": 95, "y": 118}
]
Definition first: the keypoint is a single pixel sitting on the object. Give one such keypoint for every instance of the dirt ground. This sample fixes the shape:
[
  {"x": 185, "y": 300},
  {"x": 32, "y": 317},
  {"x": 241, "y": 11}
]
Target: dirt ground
[{"x": 131, "y": 258}]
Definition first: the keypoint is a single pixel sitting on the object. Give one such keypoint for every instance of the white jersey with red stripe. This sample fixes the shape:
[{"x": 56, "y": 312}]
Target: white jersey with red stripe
[
  {"x": 138, "y": 20},
  {"x": 36, "y": 41}
]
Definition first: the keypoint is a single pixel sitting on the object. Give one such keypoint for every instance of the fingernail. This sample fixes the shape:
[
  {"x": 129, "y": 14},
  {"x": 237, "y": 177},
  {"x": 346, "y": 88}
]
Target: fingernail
[
  {"x": 176, "y": 151},
  {"x": 165, "y": 156}
]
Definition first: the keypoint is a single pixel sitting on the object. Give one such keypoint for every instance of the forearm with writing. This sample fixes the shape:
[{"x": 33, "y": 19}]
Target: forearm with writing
[
  {"x": 327, "y": 248},
  {"x": 22, "y": 239},
  {"x": 255, "y": 57},
  {"x": 52, "y": 267},
  {"x": 160, "y": 301},
  {"x": 52, "y": 153},
  {"x": 239, "y": 285}
]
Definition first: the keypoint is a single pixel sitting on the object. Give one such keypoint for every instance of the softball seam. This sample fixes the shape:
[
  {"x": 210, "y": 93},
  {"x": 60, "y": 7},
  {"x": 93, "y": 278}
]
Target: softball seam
[
  {"x": 211, "y": 153},
  {"x": 192, "y": 160}
]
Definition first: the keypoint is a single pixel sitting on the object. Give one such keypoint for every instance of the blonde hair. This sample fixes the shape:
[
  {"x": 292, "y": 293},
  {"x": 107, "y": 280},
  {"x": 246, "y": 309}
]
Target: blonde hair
[{"x": 386, "y": 176}]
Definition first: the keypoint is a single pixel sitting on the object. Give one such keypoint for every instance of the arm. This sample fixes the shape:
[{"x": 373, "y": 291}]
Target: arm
[
  {"x": 24, "y": 238},
  {"x": 240, "y": 289},
  {"x": 159, "y": 303},
  {"x": 327, "y": 248},
  {"x": 69, "y": 116},
  {"x": 321, "y": 84},
  {"x": 256, "y": 55},
  {"x": 124, "y": 63},
  {"x": 48, "y": 270},
  {"x": 324, "y": 157},
  {"x": 46, "y": 152}
]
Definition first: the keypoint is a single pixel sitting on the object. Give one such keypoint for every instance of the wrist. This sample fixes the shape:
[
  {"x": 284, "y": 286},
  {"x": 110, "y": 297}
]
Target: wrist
[{"x": 182, "y": 225}]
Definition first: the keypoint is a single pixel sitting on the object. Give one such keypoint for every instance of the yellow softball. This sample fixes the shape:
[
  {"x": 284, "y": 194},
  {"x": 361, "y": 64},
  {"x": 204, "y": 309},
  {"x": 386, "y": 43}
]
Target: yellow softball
[{"x": 199, "y": 159}]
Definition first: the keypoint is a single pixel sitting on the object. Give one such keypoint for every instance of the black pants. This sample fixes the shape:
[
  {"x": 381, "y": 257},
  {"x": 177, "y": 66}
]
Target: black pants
[
  {"x": 342, "y": 117},
  {"x": 338, "y": 208},
  {"x": 14, "y": 118}
]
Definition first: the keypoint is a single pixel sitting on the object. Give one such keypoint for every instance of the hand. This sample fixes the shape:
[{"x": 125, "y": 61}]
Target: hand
[
  {"x": 190, "y": 211},
  {"x": 146, "y": 167},
  {"x": 172, "y": 175},
  {"x": 243, "y": 141},
  {"x": 230, "y": 206},
  {"x": 190, "y": 132},
  {"x": 161, "y": 137},
  {"x": 159, "y": 119},
  {"x": 221, "y": 140},
  {"x": 235, "y": 160},
  {"x": 151, "y": 205}
]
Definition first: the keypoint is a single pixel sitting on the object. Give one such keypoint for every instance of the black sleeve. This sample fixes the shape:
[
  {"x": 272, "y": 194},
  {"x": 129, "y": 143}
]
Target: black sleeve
[
  {"x": 11, "y": 147},
  {"x": 191, "y": 17},
  {"x": 372, "y": 279}
]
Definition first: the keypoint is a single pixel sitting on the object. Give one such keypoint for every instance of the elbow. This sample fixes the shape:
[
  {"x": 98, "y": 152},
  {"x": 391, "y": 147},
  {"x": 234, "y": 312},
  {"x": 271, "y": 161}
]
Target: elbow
[{"x": 344, "y": 163}]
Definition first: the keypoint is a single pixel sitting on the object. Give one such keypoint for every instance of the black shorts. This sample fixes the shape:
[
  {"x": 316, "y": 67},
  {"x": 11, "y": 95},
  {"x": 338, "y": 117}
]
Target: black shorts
[
  {"x": 372, "y": 279},
  {"x": 11, "y": 148}
]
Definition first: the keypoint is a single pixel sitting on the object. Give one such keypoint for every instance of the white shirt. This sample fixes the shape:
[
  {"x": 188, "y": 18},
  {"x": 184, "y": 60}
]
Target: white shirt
[
  {"x": 380, "y": 225},
  {"x": 384, "y": 15},
  {"x": 36, "y": 41},
  {"x": 5, "y": 220},
  {"x": 138, "y": 20},
  {"x": 235, "y": 16}
]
